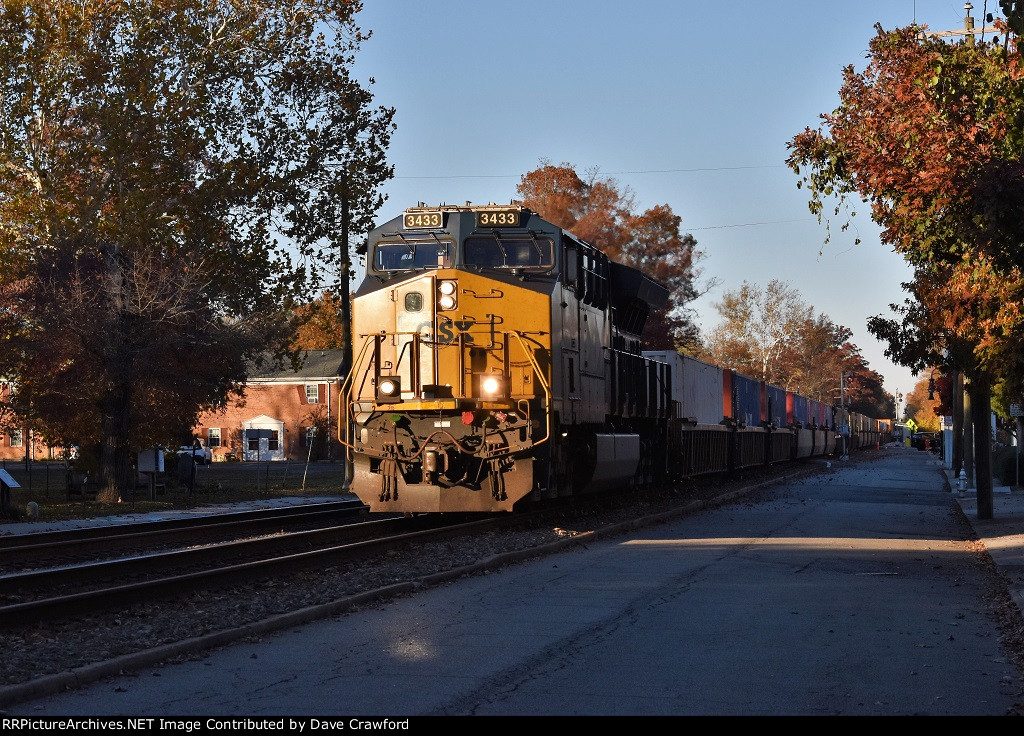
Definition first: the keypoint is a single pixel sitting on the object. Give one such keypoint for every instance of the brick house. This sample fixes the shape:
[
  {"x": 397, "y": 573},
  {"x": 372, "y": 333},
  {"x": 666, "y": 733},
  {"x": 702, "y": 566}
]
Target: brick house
[
  {"x": 13, "y": 440},
  {"x": 18, "y": 442},
  {"x": 276, "y": 421},
  {"x": 286, "y": 415}
]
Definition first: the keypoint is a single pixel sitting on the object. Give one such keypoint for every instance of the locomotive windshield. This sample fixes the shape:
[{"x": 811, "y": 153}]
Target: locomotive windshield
[
  {"x": 488, "y": 251},
  {"x": 409, "y": 254}
]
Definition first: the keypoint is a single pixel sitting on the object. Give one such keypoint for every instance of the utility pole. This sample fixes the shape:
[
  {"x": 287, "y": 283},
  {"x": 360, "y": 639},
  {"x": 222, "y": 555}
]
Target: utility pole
[
  {"x": 844, "y": 430},
  {"x": 958, "y": 423},
  {"x": 968, "y": 31}
]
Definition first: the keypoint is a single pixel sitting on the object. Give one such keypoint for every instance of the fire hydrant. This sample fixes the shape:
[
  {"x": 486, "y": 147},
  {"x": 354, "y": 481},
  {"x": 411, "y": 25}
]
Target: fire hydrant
[{"x": 961, "y": 484}]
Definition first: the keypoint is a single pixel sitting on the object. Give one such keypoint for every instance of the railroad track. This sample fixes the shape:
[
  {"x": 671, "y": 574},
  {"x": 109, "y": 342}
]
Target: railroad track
[
  {"x": 27, "y": 598},
  {"x": 49, "y": 549}
]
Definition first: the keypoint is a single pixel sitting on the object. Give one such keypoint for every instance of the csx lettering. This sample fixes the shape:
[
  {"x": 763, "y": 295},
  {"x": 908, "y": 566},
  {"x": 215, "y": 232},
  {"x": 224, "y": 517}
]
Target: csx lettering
[{"x": 445, "y": 331}]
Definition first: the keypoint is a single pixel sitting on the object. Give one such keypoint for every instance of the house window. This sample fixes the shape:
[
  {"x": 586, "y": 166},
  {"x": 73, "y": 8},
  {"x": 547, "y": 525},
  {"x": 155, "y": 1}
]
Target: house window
[
  {"x": 15, "y": 437},
  {"x": 253, "y": 439},
  {"x": 213, "y": 437},
  {"x": 312, "y": 393}
]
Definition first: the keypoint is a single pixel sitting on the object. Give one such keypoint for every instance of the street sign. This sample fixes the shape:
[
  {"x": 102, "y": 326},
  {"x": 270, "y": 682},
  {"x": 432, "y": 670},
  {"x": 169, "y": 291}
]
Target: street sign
[
  {"x": 912, "y": 425},
  {"x": 1017, "y": 410}
]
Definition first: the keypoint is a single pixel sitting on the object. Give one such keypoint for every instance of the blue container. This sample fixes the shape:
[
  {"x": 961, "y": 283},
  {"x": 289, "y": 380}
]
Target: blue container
[
  {"x": 798, "y": 412},
  {"x": 747, "y": 399},
  {"x": 775, "y": 397}
]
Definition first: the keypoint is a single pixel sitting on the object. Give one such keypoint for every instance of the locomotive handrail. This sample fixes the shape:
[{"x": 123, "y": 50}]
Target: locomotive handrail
[
  {"x": 345, "y": 413},
  {"x": 544, "y": 384}
]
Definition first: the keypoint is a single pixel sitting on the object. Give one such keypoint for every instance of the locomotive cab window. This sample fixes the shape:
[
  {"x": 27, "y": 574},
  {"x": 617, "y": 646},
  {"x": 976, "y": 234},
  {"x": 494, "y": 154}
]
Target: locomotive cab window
[
  {"x": 594, "y": 271},
  {"x": 487, "y": 251},
  {"x": 411, "y": 254},
  {"x": 571, "y": 269}
]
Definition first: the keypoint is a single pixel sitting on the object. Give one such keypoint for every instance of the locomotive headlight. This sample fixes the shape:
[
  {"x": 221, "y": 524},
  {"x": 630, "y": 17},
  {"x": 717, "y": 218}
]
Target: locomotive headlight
[
  {"x": 491, "y": 386},
  {"x": 446, "y": 299},
  {"x": 389, "y": 390}
]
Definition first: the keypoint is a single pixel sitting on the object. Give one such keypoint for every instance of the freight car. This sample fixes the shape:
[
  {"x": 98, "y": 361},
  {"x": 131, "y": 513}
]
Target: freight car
[{"x": 497, "y": 360}]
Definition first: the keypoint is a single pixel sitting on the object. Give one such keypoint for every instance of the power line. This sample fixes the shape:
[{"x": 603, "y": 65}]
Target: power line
[
  {"x": 750, "y": 224},
  {"x": 609, "y": 173}
]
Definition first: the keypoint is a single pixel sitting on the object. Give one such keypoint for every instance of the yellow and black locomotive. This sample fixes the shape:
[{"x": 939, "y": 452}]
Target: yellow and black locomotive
[{"x": 496, "y": 357}]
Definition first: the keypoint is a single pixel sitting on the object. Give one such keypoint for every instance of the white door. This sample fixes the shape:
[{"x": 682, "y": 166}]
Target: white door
[{"x": 263, "y": 439}]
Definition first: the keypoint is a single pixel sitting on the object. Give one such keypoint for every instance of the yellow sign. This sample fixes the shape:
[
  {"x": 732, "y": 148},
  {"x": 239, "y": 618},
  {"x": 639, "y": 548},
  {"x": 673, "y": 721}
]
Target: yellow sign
[{"x": 912, "y": 425}]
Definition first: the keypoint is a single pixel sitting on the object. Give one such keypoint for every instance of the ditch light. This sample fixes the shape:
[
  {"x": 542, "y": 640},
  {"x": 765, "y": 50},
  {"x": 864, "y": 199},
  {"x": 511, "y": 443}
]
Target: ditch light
[{"x": 389, "y": 390}]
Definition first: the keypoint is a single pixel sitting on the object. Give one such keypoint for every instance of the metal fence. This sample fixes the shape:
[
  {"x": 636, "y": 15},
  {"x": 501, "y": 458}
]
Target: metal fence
[{"x": 58, "y": 481}]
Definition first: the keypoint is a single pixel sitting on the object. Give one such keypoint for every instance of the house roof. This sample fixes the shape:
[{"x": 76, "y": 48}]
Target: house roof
[{"x": 315, "y": 364}]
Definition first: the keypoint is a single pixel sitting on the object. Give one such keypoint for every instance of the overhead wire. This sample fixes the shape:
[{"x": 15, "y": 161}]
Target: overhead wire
[{"x": 640, "y": 171}]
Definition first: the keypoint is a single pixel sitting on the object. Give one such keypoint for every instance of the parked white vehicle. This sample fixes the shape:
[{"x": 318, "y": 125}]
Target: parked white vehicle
[{"x": 203, "y": 453}]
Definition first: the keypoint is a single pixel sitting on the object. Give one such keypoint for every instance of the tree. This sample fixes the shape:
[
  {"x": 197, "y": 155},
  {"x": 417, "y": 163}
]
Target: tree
[
  {"x": 207, "y": 149},
  {"x": 923, "y": 410},
  {"x": 598, "y": 211},
  {"x": 756, "y": 328},
  {"x": 130, "y": 367},
  {"x": 319, "y": 324},
  {"x": 865, "y": 394},
  {"x": 929, "y": 135},
  {"x": 817, "y": 356}
]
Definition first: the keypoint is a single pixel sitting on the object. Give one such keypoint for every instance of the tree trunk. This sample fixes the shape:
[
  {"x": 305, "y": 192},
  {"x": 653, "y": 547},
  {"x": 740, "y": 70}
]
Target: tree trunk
[
  {"x": 346, "y": 323},
  {"x": 968, "y": 436},
  {"x": 981, "y": 416},
  {"x": 115, "y": 405},
  {"x": 115, "y": 459}
]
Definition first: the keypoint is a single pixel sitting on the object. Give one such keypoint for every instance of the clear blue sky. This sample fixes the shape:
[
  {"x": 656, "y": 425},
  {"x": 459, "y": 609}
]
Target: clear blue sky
[{"x": 687, "y": 104}]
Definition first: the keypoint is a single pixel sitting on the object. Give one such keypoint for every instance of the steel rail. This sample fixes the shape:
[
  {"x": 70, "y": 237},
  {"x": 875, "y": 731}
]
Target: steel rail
[
  {"x": 158, "y": 526},
  {"x": 105, "y": 598}
]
